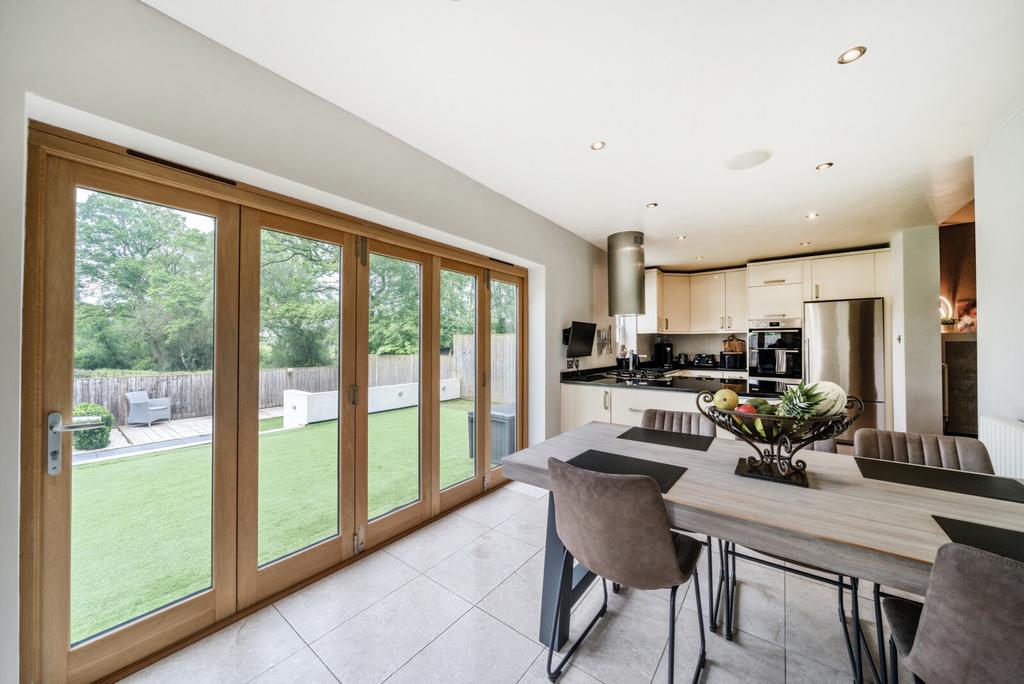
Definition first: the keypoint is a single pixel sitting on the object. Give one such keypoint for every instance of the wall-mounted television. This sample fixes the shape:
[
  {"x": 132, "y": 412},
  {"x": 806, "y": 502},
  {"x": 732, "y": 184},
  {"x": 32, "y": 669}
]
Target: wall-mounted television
[{"x": 579, "y": 337}]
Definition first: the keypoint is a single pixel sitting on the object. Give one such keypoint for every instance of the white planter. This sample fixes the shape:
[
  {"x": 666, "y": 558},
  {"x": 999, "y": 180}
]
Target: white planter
[{"x": 302, "y": 408}]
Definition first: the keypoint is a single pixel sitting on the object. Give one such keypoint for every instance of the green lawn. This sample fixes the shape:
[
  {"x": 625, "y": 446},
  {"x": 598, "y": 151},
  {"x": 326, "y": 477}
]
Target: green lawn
[{"x": 141, "y": 525}]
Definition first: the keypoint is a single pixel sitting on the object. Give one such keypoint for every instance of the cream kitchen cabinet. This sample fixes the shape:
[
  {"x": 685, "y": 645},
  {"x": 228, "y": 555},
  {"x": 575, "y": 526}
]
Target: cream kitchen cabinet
[
  {"x": 582, "y": 404},
  {"x": 707, "y": 302},
  {"x": 777, "y": 273},
  {"x": 653, "y": 319},
  {"x": 718, "y": 301},
  {"x": 775, "y": 301},
  {"x": 629, "y": 404},
  {"x": 676, "y": 302},
  {"x": 843, "y": 277},
  {"x": 736, "y": 300}
]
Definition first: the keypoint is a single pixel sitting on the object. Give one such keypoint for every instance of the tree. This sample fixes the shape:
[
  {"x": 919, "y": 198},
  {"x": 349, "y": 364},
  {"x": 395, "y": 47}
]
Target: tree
[
  {"x": 144, "y": 287},
  {"x": 458, "y": 306},
  {"x": 299, "y": 301}
]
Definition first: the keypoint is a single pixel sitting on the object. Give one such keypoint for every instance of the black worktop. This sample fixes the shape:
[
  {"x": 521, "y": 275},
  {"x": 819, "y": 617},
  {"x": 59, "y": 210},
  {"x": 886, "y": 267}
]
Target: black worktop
[{"x": 598, "y": 377}]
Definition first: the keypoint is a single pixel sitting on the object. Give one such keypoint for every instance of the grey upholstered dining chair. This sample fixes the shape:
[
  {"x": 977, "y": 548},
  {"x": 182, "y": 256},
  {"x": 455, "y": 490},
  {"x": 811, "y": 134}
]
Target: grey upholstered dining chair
[
  {"x": 617, "y": 527},
  {"x": 969, "y": 628},
  {"x": 678, "y": 421},
  {"x": 940, "y": 451}
]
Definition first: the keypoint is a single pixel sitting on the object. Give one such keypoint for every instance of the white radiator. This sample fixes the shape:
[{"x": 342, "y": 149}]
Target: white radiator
[{"x": 1004, "y": 439}]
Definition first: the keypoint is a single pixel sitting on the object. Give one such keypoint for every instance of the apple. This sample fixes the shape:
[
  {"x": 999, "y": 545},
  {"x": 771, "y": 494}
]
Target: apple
[
  {"x": 726, "y": 400},
  {"x": 746, "y": 408}
]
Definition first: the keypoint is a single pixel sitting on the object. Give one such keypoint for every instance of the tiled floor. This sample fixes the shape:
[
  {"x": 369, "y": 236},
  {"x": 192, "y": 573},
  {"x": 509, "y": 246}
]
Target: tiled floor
[{"x": 458, "y": 602}]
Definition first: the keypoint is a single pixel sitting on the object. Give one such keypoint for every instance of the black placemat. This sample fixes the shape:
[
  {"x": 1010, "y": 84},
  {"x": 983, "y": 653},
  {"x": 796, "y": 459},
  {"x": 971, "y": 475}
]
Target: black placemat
[
  {"x": 666, "y": 438},
  {"x": 998, "y": 540},
  {"x": 942, "y": 478},
  {"x": 664, "y": 474}
]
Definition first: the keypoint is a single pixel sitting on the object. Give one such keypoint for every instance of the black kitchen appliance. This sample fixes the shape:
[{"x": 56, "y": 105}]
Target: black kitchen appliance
[
  {"x": 775, "y": 349},
  {"x": 704, "y": 361},
  {"x": 663, "y": 354},
  {"x": 732, "y": 360},
  {"x": 579, "y": 338}
]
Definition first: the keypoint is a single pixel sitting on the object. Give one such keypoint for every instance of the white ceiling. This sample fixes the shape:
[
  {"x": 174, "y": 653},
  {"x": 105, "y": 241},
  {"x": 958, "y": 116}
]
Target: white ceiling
[{"x": 513, "y": 92}]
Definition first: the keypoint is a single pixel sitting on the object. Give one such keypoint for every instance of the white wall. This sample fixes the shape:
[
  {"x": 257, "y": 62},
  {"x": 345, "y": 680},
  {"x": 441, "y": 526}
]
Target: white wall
[
  {"x": 916, "y": 336},
  {"x": 999, "y": 236},
  {"x": 189, "y": 99}
]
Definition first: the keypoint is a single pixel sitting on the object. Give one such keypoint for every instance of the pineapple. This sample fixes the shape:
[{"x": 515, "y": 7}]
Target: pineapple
[{"x": 800, "y": 401}]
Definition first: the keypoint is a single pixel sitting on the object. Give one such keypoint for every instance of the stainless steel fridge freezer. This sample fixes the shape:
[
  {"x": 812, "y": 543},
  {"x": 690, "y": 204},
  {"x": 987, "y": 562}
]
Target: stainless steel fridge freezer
[{"x": 844, "y": 342}]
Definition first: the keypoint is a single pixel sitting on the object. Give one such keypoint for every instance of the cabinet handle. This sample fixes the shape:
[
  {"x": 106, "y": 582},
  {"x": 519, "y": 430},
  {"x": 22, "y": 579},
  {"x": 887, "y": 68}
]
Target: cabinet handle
[
  {"x": 606, "y": 401},
  {"x": 817, "y": 292},
  {"x": 666, "y": 323},
  {"x": 635, "y": 410},
  {"x": 721, "y": 322},
  {"x": 776, "y": 281},
  {"x": 730, "y": 322}
]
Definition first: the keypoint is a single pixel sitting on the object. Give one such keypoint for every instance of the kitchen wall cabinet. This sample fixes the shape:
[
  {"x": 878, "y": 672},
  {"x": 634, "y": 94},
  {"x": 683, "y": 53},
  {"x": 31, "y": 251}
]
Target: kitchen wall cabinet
[
  {"x": 676, "y": 303},
  {"x": 843, "y": 277},
  {"x": 775, "y": 301},
  {"x": 582, "y": 404},
  {"x": 736, "y": 300},
  {"x": 718, "y": 301},
  {"x": 778, "y": 273},
  {"x": 653, "y": 319},
  {"x": 707, "y": 302}
]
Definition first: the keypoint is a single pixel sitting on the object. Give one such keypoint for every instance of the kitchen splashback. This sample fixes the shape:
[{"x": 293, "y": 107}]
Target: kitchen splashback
[{"x": 685, "y": 344}]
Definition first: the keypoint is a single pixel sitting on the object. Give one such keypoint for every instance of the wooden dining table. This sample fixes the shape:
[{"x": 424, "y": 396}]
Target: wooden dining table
[{"x": 871, "y": 529}]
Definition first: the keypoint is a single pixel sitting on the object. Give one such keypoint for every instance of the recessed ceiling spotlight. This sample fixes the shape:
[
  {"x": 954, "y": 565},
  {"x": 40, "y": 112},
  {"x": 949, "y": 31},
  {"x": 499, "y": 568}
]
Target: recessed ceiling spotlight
[
  {"x": 680, "y": 237},
  {"x": 805, "y": 244},
  {"x": 652, "y": 205},
  {"x": 852, "y": 55},
  {"x": 700, "y": 258},
  {"x": 597, "y": 145},
  {"x": 811, "y": 215},
  {"x": 824, "y": 165}
]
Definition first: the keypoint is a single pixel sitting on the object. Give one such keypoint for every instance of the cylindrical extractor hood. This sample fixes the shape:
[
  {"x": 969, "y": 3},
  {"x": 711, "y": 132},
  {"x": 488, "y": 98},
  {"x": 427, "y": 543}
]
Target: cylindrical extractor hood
[{"x": 626, "y": 273}]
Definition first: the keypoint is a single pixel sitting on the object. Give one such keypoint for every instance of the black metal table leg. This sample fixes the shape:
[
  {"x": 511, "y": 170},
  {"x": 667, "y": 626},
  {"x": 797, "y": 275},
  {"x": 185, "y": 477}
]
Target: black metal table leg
[
  {"x": 563, "y": 584},
  {"x": 858, "y": 651},
  {"x": 880, "y": 629}
]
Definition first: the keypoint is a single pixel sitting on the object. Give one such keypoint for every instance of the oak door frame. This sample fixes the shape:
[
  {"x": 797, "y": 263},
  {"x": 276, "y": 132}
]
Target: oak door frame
[
  {"x": 372, "y": 532},
  {"x": 452, "y": 496},
  {"x": 254, "y": 582},
  {"x": 47, "y": 365},
  {"x": 496, "y": 475}
]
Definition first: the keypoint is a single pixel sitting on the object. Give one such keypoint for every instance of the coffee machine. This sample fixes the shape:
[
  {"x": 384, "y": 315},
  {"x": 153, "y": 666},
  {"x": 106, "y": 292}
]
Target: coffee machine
[{"x": 663, "y": 354}]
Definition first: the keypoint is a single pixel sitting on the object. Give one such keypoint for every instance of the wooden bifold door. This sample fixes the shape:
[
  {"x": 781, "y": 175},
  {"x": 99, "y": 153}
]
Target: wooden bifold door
[{"x": 226, "y": 394}]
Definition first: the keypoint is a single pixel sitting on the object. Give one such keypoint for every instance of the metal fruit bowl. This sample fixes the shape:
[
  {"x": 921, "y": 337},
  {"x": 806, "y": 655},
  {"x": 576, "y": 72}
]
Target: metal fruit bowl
[{"x": 776, "y": 439}]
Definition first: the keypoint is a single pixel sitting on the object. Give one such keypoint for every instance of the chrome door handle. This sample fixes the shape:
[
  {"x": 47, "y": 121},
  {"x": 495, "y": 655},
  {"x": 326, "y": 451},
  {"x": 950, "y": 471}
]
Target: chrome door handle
[
  {"x": 635, "y": 410},
  {"x": 817, "y": 291},
  {"x": 606, "y": 400},
  {"x": 721, "y": 322},
  {"x": 776, "y": 281},
  {"x": 730, "y": 322},
  {"x": 55, "y": 428}
]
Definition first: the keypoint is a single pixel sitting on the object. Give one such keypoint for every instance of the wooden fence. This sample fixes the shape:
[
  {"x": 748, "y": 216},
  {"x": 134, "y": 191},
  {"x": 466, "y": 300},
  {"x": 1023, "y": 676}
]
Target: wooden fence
[{"x": 191, "y": 394}]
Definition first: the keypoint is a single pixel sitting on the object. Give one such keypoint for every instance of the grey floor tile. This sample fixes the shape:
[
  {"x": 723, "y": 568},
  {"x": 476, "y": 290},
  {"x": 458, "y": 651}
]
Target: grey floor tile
[
  {"x": 760, "y": 602},
  {"x": 496, "y": 507},
  {"x": 744, "y": 659},
  {"x": 477, "y": 648},
  {"x": 300, "y": 668},
  {"x": 377, "y": 642},
  {"x": 315, "y": 610},
  {"x": 801, "y": 670},
  {"x": 476, "y": 569},
  {"x": 529, "y": 525},
  {"x": 812, "y": 622},
  {"x": 237, "y": 653},
  {"x": 627, "y": 643},
  {"x": 538, "y": 673},
  {"x": 426, "y": 547},
  {"x": 523, "y": 488}
]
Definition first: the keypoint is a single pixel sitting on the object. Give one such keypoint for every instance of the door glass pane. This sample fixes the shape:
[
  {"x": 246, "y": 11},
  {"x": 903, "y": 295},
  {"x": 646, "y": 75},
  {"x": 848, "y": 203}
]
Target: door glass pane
[
  {"x": 141, "y": 488},
  {"x": 393, "y": 398},
  {"x": 458, "y": 377},
  {"x": 300, "y": 328},
  {"x": 504, "y": 369}
]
